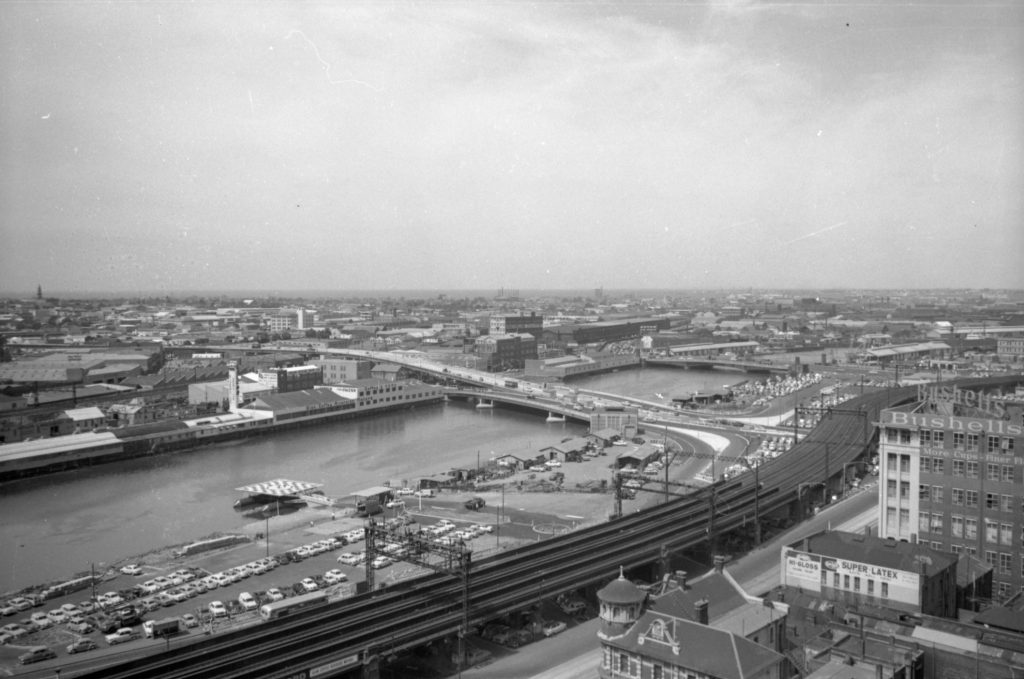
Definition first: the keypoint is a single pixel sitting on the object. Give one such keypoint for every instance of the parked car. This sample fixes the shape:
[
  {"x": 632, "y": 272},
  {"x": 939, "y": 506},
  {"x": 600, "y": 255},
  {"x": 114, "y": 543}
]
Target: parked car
[
  {"x": 381, "y": 562},
  {"x": 132, "y": 569},
  {"x": 57, "y": 616},
  {"x": 394, "y": 504},
  {"x": 189, "y": 620},
  {"x": 349, "y": 559},
  {"x": 36, "y": 654},
  {"x": 81, "y": 645},
  {"x": 274, "y": 594},
  {"x": 247, "y": 601},
  {"x": 335, "y": 576},
  {"x": 121, "y": 635},
  {"x": 553, "y": 627},
  {"x": 15, "y": 630},
  {"x": 7, "y": 608},
  {"x": 179, "y": 594},
  {"x": 355, "y": 535},
  {"x": 20, "y": 603},
  {"x": 217, "y": 609},
  {"x": 309, "y": 584},
  {"x": 40, "y": 620},
  {"x": 81, "y": 627}
]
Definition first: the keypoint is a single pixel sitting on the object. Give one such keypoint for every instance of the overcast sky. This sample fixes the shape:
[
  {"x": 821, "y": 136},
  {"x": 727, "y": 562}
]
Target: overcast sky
[{"x": 288, "y": 146}]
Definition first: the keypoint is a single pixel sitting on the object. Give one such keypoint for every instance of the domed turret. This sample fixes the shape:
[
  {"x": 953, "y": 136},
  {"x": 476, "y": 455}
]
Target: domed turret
[{"x": 622, "y": 603}]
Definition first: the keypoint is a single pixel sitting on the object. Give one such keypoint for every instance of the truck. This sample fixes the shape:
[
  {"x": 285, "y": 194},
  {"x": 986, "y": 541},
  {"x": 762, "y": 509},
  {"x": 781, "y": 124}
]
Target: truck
[
  {"x": 368, "y": 506},
  {"x": 154, "y": 629}
]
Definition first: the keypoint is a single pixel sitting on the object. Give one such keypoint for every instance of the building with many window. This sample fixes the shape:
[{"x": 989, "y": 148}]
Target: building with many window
[
  {"x": 951, "y": 475},
  {"x": 506, "y": 325},
  {"x": 295, "y": 378},
  {"x": 338, "y": 370}
]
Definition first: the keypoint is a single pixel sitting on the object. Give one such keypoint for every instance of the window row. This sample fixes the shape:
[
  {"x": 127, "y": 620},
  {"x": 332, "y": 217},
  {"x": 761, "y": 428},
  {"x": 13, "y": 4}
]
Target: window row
[
  {"x": 961, "y": 497},
  {"x": 854, "y": 583},
  {"x": 967, "y": 527}
]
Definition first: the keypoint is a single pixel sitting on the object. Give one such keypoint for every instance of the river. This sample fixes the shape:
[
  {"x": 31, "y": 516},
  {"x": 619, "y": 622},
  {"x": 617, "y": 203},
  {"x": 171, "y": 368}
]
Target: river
[{"x": 57, "y": 525}]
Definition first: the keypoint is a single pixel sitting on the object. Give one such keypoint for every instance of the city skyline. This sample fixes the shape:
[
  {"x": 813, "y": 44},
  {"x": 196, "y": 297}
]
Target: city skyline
[{"x": 171, "y": 148}]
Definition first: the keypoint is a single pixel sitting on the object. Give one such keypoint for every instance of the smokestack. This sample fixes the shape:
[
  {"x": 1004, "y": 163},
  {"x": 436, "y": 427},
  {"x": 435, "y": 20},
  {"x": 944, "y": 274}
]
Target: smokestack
[
  {"x": 232, "y": 386},
  {"x": 701, "y": 609}
]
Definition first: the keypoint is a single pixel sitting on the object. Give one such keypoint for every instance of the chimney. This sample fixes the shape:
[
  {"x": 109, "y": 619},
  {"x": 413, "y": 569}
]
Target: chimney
[
  {"x": 701, "y": 609},
  {"x": 681, "y": 579},
  {"x": 867, "y": 531},
  {"x": 232, "y": 386},
  {"x": 719, "y": 562}
]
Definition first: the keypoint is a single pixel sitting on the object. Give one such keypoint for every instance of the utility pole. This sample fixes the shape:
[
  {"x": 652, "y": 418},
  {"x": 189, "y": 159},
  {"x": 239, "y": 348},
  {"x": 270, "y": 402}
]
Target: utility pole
[{"x": 824, "y": 499}]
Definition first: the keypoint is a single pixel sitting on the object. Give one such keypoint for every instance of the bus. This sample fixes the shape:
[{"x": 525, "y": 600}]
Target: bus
[{"x": 280, "y": 609}]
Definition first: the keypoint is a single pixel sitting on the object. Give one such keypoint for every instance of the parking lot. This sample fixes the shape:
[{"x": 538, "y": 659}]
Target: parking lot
[{"x": 205, "y": 600}]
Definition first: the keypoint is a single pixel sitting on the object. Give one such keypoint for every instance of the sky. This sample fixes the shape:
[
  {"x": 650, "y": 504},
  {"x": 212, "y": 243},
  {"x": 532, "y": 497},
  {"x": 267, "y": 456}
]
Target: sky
[{"x": 277, "y": 146}]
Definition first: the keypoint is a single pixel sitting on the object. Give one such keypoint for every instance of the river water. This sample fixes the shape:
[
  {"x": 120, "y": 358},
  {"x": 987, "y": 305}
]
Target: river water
[{"x": 57, "y": 525}]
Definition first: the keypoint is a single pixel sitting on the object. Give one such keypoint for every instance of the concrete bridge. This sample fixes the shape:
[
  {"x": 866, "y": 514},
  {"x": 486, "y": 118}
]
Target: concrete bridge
[{"x": 719, "y": 364}]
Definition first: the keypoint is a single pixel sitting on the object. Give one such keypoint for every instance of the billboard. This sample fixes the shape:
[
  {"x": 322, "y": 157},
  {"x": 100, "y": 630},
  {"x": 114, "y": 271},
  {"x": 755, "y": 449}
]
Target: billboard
[{"x": 802, "y": 570}]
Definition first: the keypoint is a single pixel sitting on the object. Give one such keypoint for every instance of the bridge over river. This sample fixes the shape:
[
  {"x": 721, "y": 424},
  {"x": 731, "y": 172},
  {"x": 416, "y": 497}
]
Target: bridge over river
[
  {"x": 719, "y": 364},
  {"x": 349, "y": 638}
]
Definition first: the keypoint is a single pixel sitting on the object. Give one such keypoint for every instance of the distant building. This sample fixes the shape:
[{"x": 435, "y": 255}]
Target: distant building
[
  {"x": 507, "y": 325},
  {"x": 85, "y": 419},
  {"x": 623, "y": 419},
  {"x": 504, "y": 352},
  {"x": 299, "y": 319},
  {"x": 295, "y": 378},
  {"x": 1010, "y": 349},
  {"x": 338, "y": 370}
]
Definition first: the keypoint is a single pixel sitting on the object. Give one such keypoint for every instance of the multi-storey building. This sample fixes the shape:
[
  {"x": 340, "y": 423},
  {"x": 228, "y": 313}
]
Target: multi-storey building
[
  {"x": 506, "y": 352},
  {"x": 507, "y": 325},
  {"x": 299, "y": 319},
  {"x": 295, "y": 378},
  {"x": 1010, "y": 348},
  {"x": 338, "y": 370},
  {"x": 951, "y": 475}
]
